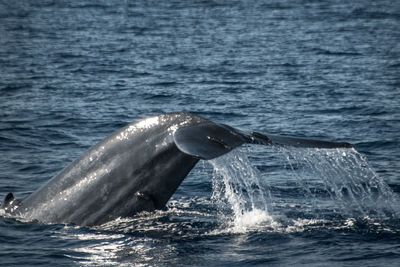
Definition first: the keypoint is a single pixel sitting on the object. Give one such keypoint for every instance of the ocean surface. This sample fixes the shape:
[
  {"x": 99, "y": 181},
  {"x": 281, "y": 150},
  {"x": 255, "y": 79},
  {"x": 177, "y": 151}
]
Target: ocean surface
[{"x": 73, "y": 72}]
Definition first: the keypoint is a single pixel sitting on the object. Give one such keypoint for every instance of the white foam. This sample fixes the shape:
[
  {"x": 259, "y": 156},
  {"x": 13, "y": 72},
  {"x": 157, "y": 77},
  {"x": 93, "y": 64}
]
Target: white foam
[{"x": 251, "y": 220}]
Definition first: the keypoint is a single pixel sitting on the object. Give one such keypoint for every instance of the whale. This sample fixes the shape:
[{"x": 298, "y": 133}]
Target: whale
[{"x": 138, "y": 168}]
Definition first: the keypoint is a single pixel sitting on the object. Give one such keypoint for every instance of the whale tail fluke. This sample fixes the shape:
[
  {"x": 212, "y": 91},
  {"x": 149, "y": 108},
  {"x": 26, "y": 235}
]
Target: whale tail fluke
[
  {"x": 282, "y": 140},
  {"x": 210, "y": 140}
]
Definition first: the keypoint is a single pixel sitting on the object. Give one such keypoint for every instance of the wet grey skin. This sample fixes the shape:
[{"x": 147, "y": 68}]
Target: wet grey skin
[{"x": 137, "y": 168}]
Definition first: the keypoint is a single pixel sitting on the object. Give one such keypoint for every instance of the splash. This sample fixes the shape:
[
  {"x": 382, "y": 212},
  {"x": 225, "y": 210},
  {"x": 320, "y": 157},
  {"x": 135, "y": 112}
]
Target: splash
[
  {"x": 236, "y": 186},
  {"x": 324, "y": 185},
  {"x": 343, "y": 179}
]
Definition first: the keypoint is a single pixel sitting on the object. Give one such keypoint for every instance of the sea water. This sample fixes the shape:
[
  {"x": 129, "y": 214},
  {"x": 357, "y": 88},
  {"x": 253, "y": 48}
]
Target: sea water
[{"x": 73, "y": 72}]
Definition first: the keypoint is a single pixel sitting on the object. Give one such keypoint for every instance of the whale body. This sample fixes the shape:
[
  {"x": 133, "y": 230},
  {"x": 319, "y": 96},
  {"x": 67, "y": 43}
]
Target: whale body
[{"x": 137, "y": 168}]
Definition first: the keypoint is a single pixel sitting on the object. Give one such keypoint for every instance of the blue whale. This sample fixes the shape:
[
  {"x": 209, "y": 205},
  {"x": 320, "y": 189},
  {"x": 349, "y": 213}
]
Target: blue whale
[{"x": 137, "y": 168}]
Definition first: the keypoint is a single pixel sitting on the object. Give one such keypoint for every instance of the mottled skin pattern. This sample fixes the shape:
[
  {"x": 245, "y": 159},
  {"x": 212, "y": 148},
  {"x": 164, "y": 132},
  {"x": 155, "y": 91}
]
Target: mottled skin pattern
[{"x": 137, "y": 168}]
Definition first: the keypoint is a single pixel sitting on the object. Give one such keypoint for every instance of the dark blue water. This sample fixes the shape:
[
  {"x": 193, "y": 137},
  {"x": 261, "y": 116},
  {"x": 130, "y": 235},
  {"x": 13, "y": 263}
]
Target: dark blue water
[{"x": 72, "y": 72}]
